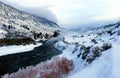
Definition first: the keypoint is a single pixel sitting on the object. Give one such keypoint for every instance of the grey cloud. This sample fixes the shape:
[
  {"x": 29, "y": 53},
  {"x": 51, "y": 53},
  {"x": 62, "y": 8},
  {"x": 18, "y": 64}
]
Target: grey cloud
[
  {"x": 42, "y": 12},
  {"x": 39, "y": 11}
]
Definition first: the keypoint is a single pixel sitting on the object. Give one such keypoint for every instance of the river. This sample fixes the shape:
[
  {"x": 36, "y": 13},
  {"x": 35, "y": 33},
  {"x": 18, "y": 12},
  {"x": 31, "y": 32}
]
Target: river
[{"x": 13, "y": 62}]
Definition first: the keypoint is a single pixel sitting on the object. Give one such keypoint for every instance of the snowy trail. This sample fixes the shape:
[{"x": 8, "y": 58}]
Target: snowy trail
[
  {"x": 107, "y": 66},
  {"x": 116, "y": 61}
]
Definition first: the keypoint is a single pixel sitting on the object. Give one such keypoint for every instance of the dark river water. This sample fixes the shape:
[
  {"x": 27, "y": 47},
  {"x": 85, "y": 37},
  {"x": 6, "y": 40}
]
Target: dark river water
[{"x": 13, "y": 62}]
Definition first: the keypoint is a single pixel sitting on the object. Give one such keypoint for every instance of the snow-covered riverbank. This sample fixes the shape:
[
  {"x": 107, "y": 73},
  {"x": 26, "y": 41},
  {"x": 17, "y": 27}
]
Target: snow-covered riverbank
[{"x": 5, "y": 50}]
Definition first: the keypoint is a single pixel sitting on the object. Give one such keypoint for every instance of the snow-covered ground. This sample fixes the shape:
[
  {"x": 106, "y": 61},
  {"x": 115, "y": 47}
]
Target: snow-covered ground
[
  {"x": 104, "y": 66},
  {"x": 100, "y": 68},
  {"x": 5, "y": 50},
  {"x": 116, "y": 61},
  {"x": 107, "y": 66}
]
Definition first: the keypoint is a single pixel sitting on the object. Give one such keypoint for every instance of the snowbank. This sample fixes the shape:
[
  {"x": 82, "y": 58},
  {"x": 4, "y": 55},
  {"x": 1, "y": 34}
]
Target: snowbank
[{"x": 5, "y": 50}]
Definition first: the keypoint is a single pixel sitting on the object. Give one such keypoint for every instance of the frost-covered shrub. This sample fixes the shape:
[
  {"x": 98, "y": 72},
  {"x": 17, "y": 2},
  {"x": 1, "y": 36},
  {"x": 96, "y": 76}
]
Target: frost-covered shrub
[
  {"x": 110, "y": 32},
  {"x": 82, "y": 36},
  {"x": 76, "y": 47},
  {"x": 100, "y": 33},
  {"x": 94, "y": 41},
  {"x": 56, "y": 33},
  {"x": 118, "y": 32},
  {"x": 80, "y": 50},
  {"x": 55, "y": 68},
  {"x": 96, "y": 52},
  {"x": 84, "y": 55},
  {"x": 106, "y": 46},
  {"x": 37, "y": 35},
  {"x": 86, "y": 52}
]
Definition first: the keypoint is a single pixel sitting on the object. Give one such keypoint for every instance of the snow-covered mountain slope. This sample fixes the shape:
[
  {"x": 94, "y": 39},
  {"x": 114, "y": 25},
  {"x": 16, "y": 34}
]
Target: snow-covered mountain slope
[
  {"x": 95, "y": 52},
  {"x": 16, "y": 23}
]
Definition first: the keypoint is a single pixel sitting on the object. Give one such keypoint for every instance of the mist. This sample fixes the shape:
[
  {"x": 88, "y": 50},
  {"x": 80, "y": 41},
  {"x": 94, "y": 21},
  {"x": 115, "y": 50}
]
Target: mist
[{"x": 42, "y": 12}]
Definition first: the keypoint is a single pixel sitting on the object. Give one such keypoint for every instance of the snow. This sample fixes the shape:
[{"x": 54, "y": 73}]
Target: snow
[
  {"x": 5, "y": 50},
  {"x": 116, "y": 61},
  {"x": 105, "y": 66},
  {"x": 100, "y": 68}
]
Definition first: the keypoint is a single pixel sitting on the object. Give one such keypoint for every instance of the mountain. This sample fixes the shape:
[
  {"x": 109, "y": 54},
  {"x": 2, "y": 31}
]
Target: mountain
[{"x": 16, "y": 24}]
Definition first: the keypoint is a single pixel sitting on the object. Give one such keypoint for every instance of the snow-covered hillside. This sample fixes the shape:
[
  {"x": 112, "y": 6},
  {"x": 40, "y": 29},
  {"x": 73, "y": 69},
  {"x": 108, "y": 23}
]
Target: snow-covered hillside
[
  {"x": 94, "y": 53},
  {"x": 15, "y": 23}
]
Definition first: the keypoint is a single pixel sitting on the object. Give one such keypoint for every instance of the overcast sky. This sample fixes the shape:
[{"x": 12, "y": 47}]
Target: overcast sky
[{"x": 69, "y": 13}]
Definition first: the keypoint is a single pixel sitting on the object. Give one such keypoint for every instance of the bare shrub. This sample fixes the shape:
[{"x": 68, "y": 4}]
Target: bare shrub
[
  {"x": 55, "y": 68},
  {"x": 17, "y": 41},
  {"x": 65, "y": 65}
]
